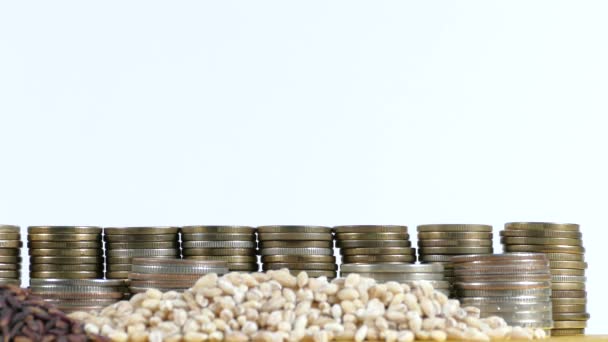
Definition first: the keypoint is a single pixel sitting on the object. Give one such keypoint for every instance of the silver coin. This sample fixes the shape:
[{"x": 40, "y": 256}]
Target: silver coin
[
  {"x": 539, "y": 292},
  {"x": 511, "y": 307},
  {"x": 77, "y": 282},
  {"x": 125, "y": 253},
  {"x": 568, "y": 279},
  {"x": 397, "y": 268},
  {"x": 510, "y": 300},
  {"x": 399, "y": 277},
  {"x": 219, "y": 244},
  {"x": 297, "y": 251},
  {"x": 76, "y": 289},
  {"x": 217, "y": 237},
  {"x": 177, "y": 269}
]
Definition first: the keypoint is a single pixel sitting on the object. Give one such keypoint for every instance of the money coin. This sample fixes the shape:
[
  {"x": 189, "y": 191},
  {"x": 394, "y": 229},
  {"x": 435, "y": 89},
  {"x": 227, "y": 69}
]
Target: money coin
[
  {"x": 219, "y": 244},
  {"x": 514, "y": 285},
  {"x": 118, "y": 267},
  {"x": 568, "y": 294},
  {"x": 544, "y": 248},
  {"x": 567, "y": 332},
  {"x": 299, "y": 258},
  {"x": 10, "y": 236},
  {"x": 117, "y": 274},
  {"x": 454, "y": 235},
  {"x": 488, "y": 269},
  {"x": 565, "y": 257},
  {"x": 139, "y": 238},
  {"x": 425, "y": 258},
  {"x": 455, "y": 228},
  {"x": 295, "y": 236},
  {"x": 505, "y": 257},
  {"x": 375, "y": 251},
  {"x": 173, "y": 276},
  {"x": 395, "y": 268},
  {"x": 372, "y": 236},
  {"x": 297, "y": 251},
  {"x": 128, "y": 260},
  {"x": 567, "y": 271},
  {"x": 356, "y": 259},
  {"x": 70, "y": 244},
  {"x": 66, "y": 260},
  {"x": 218, "y": 251},
  {"x": 301, "y": 266},
  {"x": 522, "y": 276},
  {"x": 9, "y": 229},
  {"x": 538, "y": 292},
  {"x": 569, "y": 308},
  {"x": 10, "y": 281},
  {"x": 13, "y": 266},
  {"x": 64, "y": 237},
  {"x": 229, "y": 259},
  {"x": 10, "y": 244},
  {"x": 66, "y": 267},
  {"x": 209, "y": 237},
  {"x": 75, "y": 252},
  {"x": 372, "y": 243},
  {"x": 540, "y": 241},
  {"x": 541, "y": 234},
  {"x": 569, "y": 324},
  {"x": 296, "y": 244},
  {"x": 580, "y": 265},
  {"x": 455, "y": 250},
  {"x": 455, "y": 243},
  {"x": 75, "y": 296},
  {"x": 568, "y": 278},
  {"x": 180, "y": 270},
  {"x": 508, "y": 305},
  {"x": 9, "y": 273},
  {"x": 140, "y": 230},
  {"x": 123, "y": 253},
  {"x": 9, "y": 252},
  {"x": 218, "y": 229},
  {"x": 242, "y": 266},
  {"x": 568, "y": 286},
  {"x": 293, "y": 229},
  {"x": 371, "y": 229},
  {"x": 569, "y": 301},
  {"x": 63, "y": 230},
  {"x": 141, "y": 245},
  {"x": 542, "y": 226},
  {"x": 66, "y": 274}
]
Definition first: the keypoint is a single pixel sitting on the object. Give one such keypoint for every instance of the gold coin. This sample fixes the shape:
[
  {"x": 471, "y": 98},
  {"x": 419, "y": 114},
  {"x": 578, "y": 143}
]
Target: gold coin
[
  {"x": 567, "y": 271},
  {"x": 581, "y": 265},
  {"x": 299, "y": 258},
  {"x": 63, "y": 230},
  {"x": 454, "y": 235},
  {"x": 142, "y": 245},
  {"x": 296, "y": 244},
  {"x": 10, "y": 236},
  {"x": 569, "y": 324},
  {"x": 66, "y": 268},
  {"x": 541, "y": 234},
  {"x": 565, "y": 257},
  {"x": 295, "y": 236},
  {"x": 117, "y": 274},
  {"x": 118, "y": 267},
  {"x": 218, "y": 251},
  {"x": 139, "y": 238},
  {"x": 357, "y": 259},
  {"x": 372, "y": 243},
  {"x": 69, "y": 244},
  {"x": 505, "y": 258},
  {"x": 64, "y": 237},
  {"x": 226, "y": 258},
  {"x": 140, "y": 230},
  {"x": 129, "y": 260},
  {"x": 569, "y": 301},
  {"x": 371, "y": 229},
  {"x": 567, "y": 332},
  {"x": 67, "y": 274},
  {"x": 218, "y": 229},
  {"x": 455, "y": 243},
  {"x": 489, "y": 285},
  {"x": 456, "y": 250},
  {"x": 293, "y": 229},
  {"x": 571, "y": 227},
  {"x": 12, "y": 266},
  {"x": 9, "y": 274},
  {"x": 9, "y": 228},
  {"x": 242, "y": 266},
  {"x": 568, "y": 286},
  {"x": 481, "y": 228},
  {"x": 124, "y": 253},
  {"x": 540, "y": 241},
  {"x": 217, "y": 237},
  {"x": 568, "y": 294},
  {"x": 374, "y": 251},
  {"x": 544, "y": 248},
  {"x": 9, "y": 251},
  {"x": 76, "y": 252},
  {"x": 66, "y": 260},
  {"x": 10, "y": 244},
  {"x": 569, "y": 308},
  {"x": 301, "y": 266},
  {"x": 372, "y": 236}
]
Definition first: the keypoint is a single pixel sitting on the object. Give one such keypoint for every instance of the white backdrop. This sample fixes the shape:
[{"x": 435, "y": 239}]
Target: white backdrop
[{"x": 342, "y": 112}]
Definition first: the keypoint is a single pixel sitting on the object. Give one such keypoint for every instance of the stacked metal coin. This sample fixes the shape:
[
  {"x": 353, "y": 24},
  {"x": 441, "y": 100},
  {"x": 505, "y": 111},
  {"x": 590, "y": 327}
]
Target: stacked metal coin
[
  {"x": 170, "y": 274},
  {"x": 374, "y": 244},
  {"x": 236, "y": 245},
  {"x": 79, "y": 294},
  {"x": 10, "y": 255},
  {"x": 401, "y": 273},
  {"x": 125, "y": 243},
  {"x": 65, "y": 252},
  {"x": 563, "y": 246},
  {"x": 298, "y": 248},
  {"x": 437, "y": 243},
  {"x": 514, "y": 286}
]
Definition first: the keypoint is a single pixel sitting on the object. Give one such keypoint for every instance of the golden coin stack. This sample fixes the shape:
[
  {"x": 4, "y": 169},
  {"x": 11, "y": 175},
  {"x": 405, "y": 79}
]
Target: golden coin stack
[
  {"x": 236, "y": 245},
  {"x": 65, "y": 252},
  {"x": 125, "y": 243},
  {"x": 514, "y": 286},
  {"x": 437, "y": 243},
  {"x": 10, "y": 258},
  {"x": 562, "y": 244},
  {"x": 374, "y": 244},
  {"x": 70, "y": 295},
  {"x": 170, "y": 274},
  {"x": 298, "y": 248}
]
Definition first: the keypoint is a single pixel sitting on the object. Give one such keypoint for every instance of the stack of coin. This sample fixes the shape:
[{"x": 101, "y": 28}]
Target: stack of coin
[
  {"x": 374, "y": 244},
  {"x": 298, "y": 248},
  {"x": 123, "y": 244},
  {"x": 563, "y": 246},
  {"x": 401, "y": 273},
  {"x": 79, "y": 294},
  {"x": 170, "y": 274},
  {"x": 437, "y": 243},
  {"x": 514, "y": 286},
  {"x": 236, "y": 245},
  {"x": 65, "y": 252},
  {"x": 10, "y": 258}
]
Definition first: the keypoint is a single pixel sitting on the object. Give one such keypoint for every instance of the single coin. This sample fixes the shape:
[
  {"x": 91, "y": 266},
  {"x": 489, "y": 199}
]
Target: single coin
[
  {"x": 218, "y": 251},
  {"x": 299, "y": 258},
  {"x": 544, "y": 248},
  {"x": 568, "y": 294},
  {"x": 296, "y": 244},
  {"x": 394, "y": 268},
  {"x": 80, "y": 302},
  {"x": 486, "y": 269},
  {"x": 315, "y": 273},
  {"x": 372, "y": 243},
  {"x": 67, "y": 267},
  {"x": 242, "y": 266},
  {"x": 295, "y": 236},
  {"x": 297, "y": 251},
  {"x": 172, "y": 276},
  {"x": 10, "y": 251},
  {"x": 208, "y": 237},
  {"x": 370, "y": 229},
  {"x": 505, "y": 257},
  {"x": 537, "y": 292},
  {"x": 454, "y": 228},
  {"x": 9, "y": 229},
  {"x": 63, "y": 230},
  {"x": 230, "y": 258},
  {"x": 372, "y": 236},
  {"x": 129, "y": 260},
  {"x": 569, "y": 308},
  {"x": 64, "y": 237},
  {"x": 568, "y": 264},
  {"x": 569, "y": 324},
  {"x": 568, "y": 278},
  {"x": 140, "y": 238},
  {"x": 567, "y": 271},
  {"x": 10, "y": 236},
  {"x": 118, "y": 267},
  {"x": 72, "y": 252},
  {"x": 379, "y": 251},
  {"x": 455, "y": 243},
  {"x": 70, "y": 244},
  {"x": 503, "y": 277},
  {"x": 567, "y": 332},
  {"x": 565, "y": 257},
  {"x": 542, "y": 226},
  {"x": 178, "y": 262},
  {"x": 405, "y": 277},
  {"x": 66, "y": 260},
  {"x": 525, "y": 303},
  {"x": 77, "y": 289},
  {"x": 9, "y": 273},
  {"x": 454, "y": 235},
  {"x": 169, "y": 283},
  {"x": 10, "y": 281},
  {"x": 356, "y": 259},
  {"x": 541, "y": 234},
  {"x": 75, "y": 296},
  {"x": 12, "y": 266},
  {"x": 78, "y": 282},
  {"x": 540, "y": 241},
  {"x": 514, "y": 285},
  {"x": 142, "y": 245},
  {"x": 123, "y": 253},
  {"x": 117, "y": 274},
  {"x": 301, "y": 266},
  {"x": 219, "y": 244},
  {"x": 178, "y": 269},
  {"x": 140, "y": 230},
  {"x": 66, "y": 274},
  {"x": 10, "y": 244},
  {"x": 568, "y": 286},
  {"x": 425, "y": 258},
  {"x": 455, "y": 250},
  {"x": 293, "y": 229},
  {"x": 569, "y": 301},
  {"x": 218, "y": 229}
]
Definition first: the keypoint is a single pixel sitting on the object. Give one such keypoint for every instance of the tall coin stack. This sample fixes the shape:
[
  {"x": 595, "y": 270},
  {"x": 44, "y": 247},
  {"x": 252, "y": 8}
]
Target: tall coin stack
[
  {"x": 563, "y": 246},
  {"x": 298, "y": 248},
  {"x": 401, "y": 273},
  {"x": 236, "y": 245},
  {"x": 65, "y": 252},
  {"x": 437, "y": 243},
  {"x": 10, "y": 255},
  {"x": 70, "y": 295},
  {"x": 371, "y": 244},
  {"x": 125, "y": 243},
  {"x": 514, "y": 286},
  {"x": 170, "y": 274}
]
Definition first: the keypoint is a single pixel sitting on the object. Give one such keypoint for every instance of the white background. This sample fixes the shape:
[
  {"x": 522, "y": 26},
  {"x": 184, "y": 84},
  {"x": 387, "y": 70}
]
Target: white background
[{"x": 134, "y": 113}]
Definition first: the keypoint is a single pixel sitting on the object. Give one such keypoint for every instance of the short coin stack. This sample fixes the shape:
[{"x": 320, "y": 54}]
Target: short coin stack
[
  {"x": 401, "y": 273},
  {"x": 514, "y": 286},
  {"x": 70, "y": 295},
  {"x": 236, "y": 245},
  {"x": 437, "y": 243},
  {"x": 298, "y": 248},
  {"x": 170, "y": 274},
  {"x": 65, "y": 252},
  {"x": 10, "y": 258},
  {"x": 563, "y": 246},
  {"x": 371, "y": 244},
  {"x": 123, "y": 244}
]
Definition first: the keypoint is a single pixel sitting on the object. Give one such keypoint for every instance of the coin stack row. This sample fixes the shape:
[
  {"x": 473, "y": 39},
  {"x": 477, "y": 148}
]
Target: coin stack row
[
  {"x": 298, "y": 248},
  {"x": 437, "y": 243},
  {"x": 514, "y": 286},
  {"x": 70, "y": 295},
  {"x": 170, "y": 274},
  {"x": 123, "y": 244},
  {"x": 563, "y": 246},
  {"x": 10, "y": 259},
  {"x": 235, "y": 245},
  {"x": 65, "y": 252},
  {"x": 374, "y": 244},
  {"x": 401, "y": 273}
]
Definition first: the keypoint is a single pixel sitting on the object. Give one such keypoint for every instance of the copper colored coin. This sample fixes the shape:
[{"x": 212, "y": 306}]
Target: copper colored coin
[
  {"x": 481, "y": 228},
  {"x": 542, "y": 226},
  {"x": 9, "y": 273},
  {"x": 569, "y": 308},
  {"x": 295, "y": 236},
  {"x": 569, "y": 324},
  {"x": 565, "y": 257},
  {"x": 568, "y": 286},
  {"x": 242, "y": 267},
  {"x": 140, "y": 230},
  {"x": 567, "y": 332},
  {"x": 10, "y": 244},
  {"x": 9, "y": 229},
  {"x": 12, "y": 266},
  {"x": 117, "y": 274}
]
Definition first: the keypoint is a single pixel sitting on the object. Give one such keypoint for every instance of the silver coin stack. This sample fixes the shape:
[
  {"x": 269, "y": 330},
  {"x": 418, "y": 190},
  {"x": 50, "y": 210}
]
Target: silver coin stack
[
  {"x": 170, "y": 274},
  {"x": 125, "y": 243},
  {"x": 370, "y": 244},
  {"x": 515, "y": 286},
  {"x": 401, "y": 273},
  {"x": 70, "y": 295},
  {"x": 298, "y": 248},
  {"x": 10, "y": 258},
  {"x": 236, "y": 245}
]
